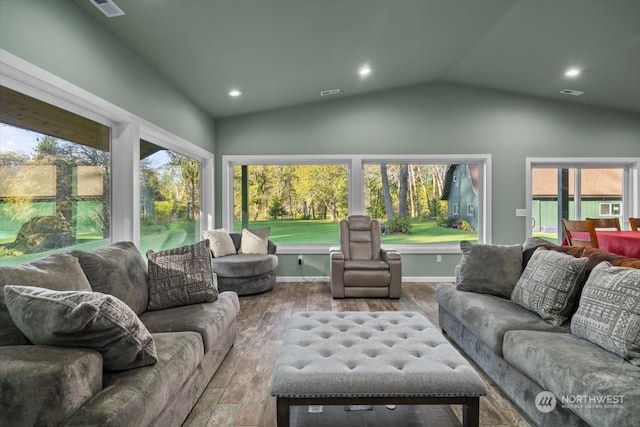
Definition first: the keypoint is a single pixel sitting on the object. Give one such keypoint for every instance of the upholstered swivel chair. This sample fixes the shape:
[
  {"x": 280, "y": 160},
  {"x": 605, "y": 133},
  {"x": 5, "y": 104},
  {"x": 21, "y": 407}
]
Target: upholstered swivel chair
[{"x": 360, "y": 267}]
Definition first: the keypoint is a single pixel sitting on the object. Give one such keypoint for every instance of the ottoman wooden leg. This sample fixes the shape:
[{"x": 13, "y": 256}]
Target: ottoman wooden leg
[
  {"x": 471, "y": 412},
  {"x": 282, "y": 412}
]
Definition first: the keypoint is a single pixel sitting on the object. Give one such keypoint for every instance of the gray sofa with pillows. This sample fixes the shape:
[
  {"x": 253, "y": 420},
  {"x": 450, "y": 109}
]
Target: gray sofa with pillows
[
  {"x": 556, "y": 328},
  {"x": 100, "y": 339}
]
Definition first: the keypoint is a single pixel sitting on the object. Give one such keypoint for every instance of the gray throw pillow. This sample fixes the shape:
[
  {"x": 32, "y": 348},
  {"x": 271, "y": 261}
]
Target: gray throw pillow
[
  {"x": 489, "y": 269},
  {"x": 181, "y": 276},
  {"x": 549, "y": 285},
  {"x": 58, "y": 271},
  {"x": 119, "y": 270},
  {"x": 609, "y": 311},
  {"x": 82, "y": 319}
]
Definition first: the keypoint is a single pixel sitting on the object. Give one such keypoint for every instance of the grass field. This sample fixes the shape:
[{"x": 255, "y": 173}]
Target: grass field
[
  {"x": 159, "y": 237},
  {"x": 326, "y": 232}
]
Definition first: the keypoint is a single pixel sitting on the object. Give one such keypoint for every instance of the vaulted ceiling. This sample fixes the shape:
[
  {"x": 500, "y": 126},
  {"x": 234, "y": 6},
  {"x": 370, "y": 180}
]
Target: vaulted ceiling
[{"x": 285, "y": 52}]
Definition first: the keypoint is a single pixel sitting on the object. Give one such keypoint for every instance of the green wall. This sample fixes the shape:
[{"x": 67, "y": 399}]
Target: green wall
[
  {"x": 58, "y": 36},
  {"x": 436, "y": 119}
]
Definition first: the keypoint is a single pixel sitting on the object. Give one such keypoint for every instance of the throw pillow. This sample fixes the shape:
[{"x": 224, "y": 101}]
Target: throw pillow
[
  {"x": 549, "y": 285},
  {"x": 489, "y": 269},
  {"x": 255, "y": 241},
  {"x": 220, "y": 242},
  {"x": 532, "y": 243},
  {"x": 82, "y": 319},
  {"x": 181, "y": 276},
  {"x": 119, "y": 270},
  {"x": 58, "y": 271},
  {"x": 609, "y": 311}
]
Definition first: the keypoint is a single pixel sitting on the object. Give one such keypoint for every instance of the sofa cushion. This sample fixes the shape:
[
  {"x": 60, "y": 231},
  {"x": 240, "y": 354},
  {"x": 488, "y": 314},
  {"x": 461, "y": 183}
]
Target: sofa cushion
[
  {"x": 609, "y": 311},
  {"x": 549, "y": 285},
  {"x": 59, "y": 271},
  {"x": 220, "y": 242},
  {"x": 573, "y": 369},
  {"x": 82, "y": 319},
  {"x": 181, "y": 276},
  {"x": 489, "y": 317},
  {"x": 119, "y": 270},
  {"x": 254, "y": 241},
  {"x": 209, "y": 320},
  {"x": 43, "y": 385},
  {"x": 139, "y": 396},
  {"x": 489, "y": 269},
  {"x": 244, "y": 265}
]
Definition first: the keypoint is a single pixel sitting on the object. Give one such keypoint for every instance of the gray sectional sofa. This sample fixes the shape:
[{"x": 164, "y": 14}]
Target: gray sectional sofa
[
  {"x": 51, "y": 385},
  {"x": 525, "y": 354}
]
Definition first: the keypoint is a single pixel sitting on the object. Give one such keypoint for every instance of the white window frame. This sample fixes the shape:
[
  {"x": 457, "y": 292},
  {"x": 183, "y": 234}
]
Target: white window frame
[
  {"x": 630, "y": 180},
  {"x": 126, "y": 131},
  {"x": 471, "y": 210},
  {"x": 355, "y": 178},
  {"x": 456, "y": 209}
]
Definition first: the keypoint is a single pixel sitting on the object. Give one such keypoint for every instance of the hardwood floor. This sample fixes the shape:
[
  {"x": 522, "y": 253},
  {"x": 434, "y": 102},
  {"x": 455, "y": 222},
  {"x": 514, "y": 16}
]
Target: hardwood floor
[{"x": 238, "y": 394}]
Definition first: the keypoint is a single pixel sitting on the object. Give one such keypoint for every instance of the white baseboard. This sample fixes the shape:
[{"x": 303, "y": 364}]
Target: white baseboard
[{"x": 316, "y": 279}]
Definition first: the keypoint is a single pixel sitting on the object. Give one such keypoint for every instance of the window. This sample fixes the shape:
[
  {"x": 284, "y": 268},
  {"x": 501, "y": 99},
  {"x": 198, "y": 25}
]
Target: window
[
  {"x": 55, "y": 174},
  {"x": 610, "y": 209},
  {"x": 471, "y": 210},
  {"x": 578, "y": 189},
  {"x": 169, "y": 198},
  {"x": 303, "y": 198},
  {"x": 299, "y": 202}
]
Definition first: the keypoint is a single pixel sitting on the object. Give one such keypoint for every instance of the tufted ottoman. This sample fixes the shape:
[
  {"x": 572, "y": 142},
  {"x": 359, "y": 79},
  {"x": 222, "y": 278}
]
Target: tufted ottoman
[{"x": 371, "y": 358}]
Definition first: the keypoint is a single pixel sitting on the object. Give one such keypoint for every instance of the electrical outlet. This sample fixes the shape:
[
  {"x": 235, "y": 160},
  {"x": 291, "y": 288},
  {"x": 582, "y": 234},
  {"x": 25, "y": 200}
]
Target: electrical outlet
[
  {"x": 438, "y": 258},
  {"x": 299, "y": 259}
]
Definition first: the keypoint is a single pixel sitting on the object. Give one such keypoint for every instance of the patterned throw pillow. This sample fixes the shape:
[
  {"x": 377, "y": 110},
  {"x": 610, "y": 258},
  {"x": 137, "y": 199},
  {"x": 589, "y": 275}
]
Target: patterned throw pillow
[
  {"x": 220, "y": 242},
  {"x": 549, "y": 285},
  {"x": 82, "y": 319},
  {"x": 489, "y": 269},
  {"x": 181, "y": 276},
  {"x": 609, "y": 311},
  {"x": 255, "y": 241}
]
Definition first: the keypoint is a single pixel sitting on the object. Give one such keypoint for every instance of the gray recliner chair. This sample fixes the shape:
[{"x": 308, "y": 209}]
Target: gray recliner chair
[{"x": 360, "y": 267}]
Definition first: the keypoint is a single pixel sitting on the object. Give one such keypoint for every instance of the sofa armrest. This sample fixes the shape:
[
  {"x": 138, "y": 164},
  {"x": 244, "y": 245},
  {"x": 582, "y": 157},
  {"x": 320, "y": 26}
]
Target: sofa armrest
[{"x": 45, "y": 385}]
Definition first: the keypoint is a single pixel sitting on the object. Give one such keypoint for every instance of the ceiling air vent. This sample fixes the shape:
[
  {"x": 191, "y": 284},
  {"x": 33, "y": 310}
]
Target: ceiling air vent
[
  {"x": 108, "y": 8},
  {"x": 329, "y": 92},
  {"x": 571, "y": 92}
]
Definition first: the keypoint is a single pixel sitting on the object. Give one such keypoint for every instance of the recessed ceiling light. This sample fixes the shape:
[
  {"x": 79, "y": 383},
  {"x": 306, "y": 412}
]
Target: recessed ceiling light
[
  {"x": 572, "y": 72},
  {"x": 234, "y": 93},
  {"x": 364, "y": 71}
]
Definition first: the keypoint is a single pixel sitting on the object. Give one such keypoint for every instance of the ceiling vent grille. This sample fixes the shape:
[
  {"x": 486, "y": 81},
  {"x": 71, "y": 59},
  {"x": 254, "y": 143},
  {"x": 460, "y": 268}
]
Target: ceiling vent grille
[
  {"x": 108, "y": 8},
  {"x": 571, "y": 92},
  {"x": 329, "y": 92}
]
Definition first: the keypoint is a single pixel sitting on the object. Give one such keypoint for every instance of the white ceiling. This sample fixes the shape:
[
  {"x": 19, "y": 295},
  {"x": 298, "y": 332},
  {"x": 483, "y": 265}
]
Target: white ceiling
[{"x": 285, "y": 52}]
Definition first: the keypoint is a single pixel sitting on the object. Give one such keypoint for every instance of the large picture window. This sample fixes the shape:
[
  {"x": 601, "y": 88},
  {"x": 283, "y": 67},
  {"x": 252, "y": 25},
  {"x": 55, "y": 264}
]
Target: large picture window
[
  {"x": 55, "y": 175},
  {"x": 302, "y": 199},
  {"x": 169, "y": 198},
  {"x": 299, "y": 202},
  {"x": 578, "y": 189}
]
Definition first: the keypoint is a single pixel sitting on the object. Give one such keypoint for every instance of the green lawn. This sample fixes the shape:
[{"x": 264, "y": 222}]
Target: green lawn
[
  {"x": 326, "y": 232},
  {"x": 158, "y": 237}
]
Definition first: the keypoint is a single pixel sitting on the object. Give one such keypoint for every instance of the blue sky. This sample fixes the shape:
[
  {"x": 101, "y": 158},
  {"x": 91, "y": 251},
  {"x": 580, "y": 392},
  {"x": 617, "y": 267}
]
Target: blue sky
[{"x": 17, "y": 140}]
